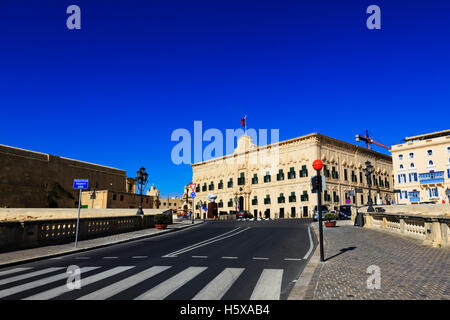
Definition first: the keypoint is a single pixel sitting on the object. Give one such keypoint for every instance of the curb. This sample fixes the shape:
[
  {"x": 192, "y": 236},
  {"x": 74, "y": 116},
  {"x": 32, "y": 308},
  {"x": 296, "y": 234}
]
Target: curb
[
  {"x": 305, "y": 285},
  {"x": 59, "y": 254}
]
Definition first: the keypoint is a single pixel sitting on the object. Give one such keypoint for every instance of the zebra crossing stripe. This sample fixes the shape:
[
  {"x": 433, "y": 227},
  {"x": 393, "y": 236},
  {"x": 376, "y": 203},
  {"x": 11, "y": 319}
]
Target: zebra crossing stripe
[
  {"x": 38, "y": 283},
  {"x": 124, "y": 284},
  {"x": 53, "y": 293},
  {"x": 269, "y": 285},
  {"x": 29, "y": 275},
  {"x": 217, "y": 288},
  {"x": 165, "y": 288},
  {"x": 4, "y": 273}
]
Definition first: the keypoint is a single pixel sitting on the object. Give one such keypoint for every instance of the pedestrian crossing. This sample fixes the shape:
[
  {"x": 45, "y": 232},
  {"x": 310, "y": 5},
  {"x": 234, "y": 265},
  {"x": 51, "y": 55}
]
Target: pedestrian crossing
[{"x": 51, "y": 283}]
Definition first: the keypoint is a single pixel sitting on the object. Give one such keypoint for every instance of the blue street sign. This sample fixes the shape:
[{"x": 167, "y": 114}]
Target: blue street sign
[
  {"x": 80, "y": 183},
  {"x": 193, "y": 195}
]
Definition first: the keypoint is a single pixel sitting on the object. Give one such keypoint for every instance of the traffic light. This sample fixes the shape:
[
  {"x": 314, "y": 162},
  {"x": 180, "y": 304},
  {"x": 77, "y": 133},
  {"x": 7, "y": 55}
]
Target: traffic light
[{"x": 316, "y": 184}]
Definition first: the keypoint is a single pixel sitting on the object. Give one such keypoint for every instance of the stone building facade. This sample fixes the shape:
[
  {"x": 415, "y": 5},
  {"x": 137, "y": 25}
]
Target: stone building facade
[
  {"x": 104, "y": 199},
  {"x": 281, "y": 187},
  {"x": 422, "y": 168},
  {"x": 31, "y": 179}
]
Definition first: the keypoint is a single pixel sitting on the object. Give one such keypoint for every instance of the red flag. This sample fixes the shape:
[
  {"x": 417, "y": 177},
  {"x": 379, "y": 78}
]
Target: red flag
[{"x": 243, "y": 122}]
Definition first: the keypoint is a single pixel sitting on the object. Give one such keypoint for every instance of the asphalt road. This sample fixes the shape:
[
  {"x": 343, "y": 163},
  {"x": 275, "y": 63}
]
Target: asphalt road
[{"x": 215, "y": 260}]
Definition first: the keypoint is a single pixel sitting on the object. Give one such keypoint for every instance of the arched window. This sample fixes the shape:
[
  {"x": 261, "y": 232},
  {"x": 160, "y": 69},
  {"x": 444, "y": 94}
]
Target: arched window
[
  {"x": 400, "y": 157},
  {"x": 411, "y": 155},
  {"x": 412, "y": 165},
  {"x": 401, "y": 166},
  {"x": 430, "y": 163},
  {"x": 430, "y": 152}
]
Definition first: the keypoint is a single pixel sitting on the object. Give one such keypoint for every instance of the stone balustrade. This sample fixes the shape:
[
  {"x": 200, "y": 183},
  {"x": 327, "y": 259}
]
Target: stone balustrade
[
  {"x": 430, "y": 223},
  {"x": 16, "y": 235}
]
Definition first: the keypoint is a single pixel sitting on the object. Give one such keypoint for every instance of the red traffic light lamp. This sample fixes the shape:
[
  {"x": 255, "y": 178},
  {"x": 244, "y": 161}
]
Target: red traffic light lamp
[{"x": 317, "y": 164}]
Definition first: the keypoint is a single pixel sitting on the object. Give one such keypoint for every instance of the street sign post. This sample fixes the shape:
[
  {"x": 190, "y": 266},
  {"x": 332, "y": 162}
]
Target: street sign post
[
  {"x": 317, "y": 184},
  {"x": 79, "y": 184},
  {"x": 193, "y": 202}
]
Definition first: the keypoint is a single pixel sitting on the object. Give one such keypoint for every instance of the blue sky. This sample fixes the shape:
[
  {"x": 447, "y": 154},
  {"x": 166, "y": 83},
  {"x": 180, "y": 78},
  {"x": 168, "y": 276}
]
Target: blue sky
[{"x": 113, "y": 92}]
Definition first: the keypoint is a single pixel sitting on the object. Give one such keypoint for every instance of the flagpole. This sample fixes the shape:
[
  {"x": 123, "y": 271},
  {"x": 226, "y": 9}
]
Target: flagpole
[{"x": 245, "y": 131}]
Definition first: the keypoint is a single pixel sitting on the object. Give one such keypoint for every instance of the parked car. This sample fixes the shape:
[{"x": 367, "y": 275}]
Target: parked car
[
  {"x": 324, "y": 210},
  {"x": 243, "y": 215},
  {"x": 345, "y": 212}
]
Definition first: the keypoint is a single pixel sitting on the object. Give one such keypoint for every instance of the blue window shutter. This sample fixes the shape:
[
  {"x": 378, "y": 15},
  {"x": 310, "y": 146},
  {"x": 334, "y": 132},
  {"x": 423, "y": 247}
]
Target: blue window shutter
[
  {"x": 400, "y": 195},
  {"x": 410, "y": 177},
  {"x": 399, "y": 179}
]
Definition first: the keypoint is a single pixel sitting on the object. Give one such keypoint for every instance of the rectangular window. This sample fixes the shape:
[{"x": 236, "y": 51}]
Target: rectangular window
[
  {"x": 267, "y": 177},
  {"x": 121, "y": 198},
  {"x": 255, "y": 179},
  {"x": 255, "y": 201},
  {"x": 241, "y": 179},
  {"x": 267, "y": 199},
  {"x": 220, "y": 186},
  {"x": 281, "y": 198},
  {"x": 291, "y": 173},
  {"x": 292, "y": 197},
  {"x": 345, "y": 175},
  {"x": 230, "y": 183},
  {"x": 280, "y": 175},
  {"x": 304, "y": 196},
  {"x": 304, "y": 172},
  {"x": 360, "y": 177}
]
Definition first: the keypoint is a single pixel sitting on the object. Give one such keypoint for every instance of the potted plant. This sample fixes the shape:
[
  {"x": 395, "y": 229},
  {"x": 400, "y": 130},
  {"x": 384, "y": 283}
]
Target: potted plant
[
  {"x": 161, "y": 221},
  {"x": 330, "y": 219}
]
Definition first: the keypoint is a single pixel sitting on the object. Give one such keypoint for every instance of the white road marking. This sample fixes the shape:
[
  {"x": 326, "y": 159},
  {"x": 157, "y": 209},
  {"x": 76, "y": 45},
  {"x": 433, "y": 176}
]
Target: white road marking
[
  {"x": 29, "y": 275},
  {"x": 293, "y": 259},
  {"x": 229, "y": 257},
  {"x": 259, "y": 258},
  {"x": 110, "y": 257},
  {"x": 310, "y": 244},
  {"x": 217, "y": 288},
  {"x": 140, "y": 257},
  {"x": 206, "y": 242},
  {"x": 38, "y": 283},
  {"x": 165, "y": 288},
  {"x": 4, "y": 273},
  {"x": 200, "y": 257},
  {"x": 269, "y": 285},
  {"x": 124, "y": 284},
  {"x": 53, "y": 293}
]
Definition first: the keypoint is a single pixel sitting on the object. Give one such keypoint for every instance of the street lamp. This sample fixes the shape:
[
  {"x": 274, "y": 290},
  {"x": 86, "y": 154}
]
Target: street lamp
[
  {"x": 368, "y": 170},
  {"x": 141, "y": 180}
]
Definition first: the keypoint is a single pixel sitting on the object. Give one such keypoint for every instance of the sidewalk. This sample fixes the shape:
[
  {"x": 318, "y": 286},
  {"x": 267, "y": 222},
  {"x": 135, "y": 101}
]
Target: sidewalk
[
  {"x": 28, "y": 255},
  {"x": 408, "y": 269}
]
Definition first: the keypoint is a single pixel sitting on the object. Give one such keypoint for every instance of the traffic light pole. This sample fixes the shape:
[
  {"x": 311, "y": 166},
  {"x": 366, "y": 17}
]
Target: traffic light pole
[{"x": 319, "y": 213}]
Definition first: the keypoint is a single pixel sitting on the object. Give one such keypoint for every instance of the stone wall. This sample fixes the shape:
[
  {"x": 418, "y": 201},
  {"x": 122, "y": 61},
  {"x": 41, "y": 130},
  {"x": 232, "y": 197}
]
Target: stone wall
[
  {"x": 427, "y": 222},
  {"x": 17, "y": 235},
  {"x": 26, "y": 177}
]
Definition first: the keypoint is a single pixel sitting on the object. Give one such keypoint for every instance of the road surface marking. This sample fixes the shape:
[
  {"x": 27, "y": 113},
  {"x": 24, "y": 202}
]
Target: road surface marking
[
  {"x": 269, "y": 285},
  {"x": 221, "y": 235},
  {"x": 4, "y": 273},
  {"x": 293, "y": 259},
  {"x": 29, "y": 275},
  {"x": 56, "y": 258},
  {"x": 310, "y": 244},
  {"x": 124, "y": 284},
  {"x": 140, "y": 257},
  {"x": 110, "y": 257},
  {"x": 217, "y": 288},
  {"x": 38, "y": 283},
  {"x": 200, "y": 257},
  {"x": 259, "y": 258},
  {"x": 165, "y": 288},
  {"x": 229, "y": 257},
  {"x": 53, "y": 293},
  {"x": 203, "y": 243}
]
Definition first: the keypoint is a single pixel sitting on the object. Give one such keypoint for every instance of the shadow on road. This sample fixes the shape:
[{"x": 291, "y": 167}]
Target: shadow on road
[{"x": 341, "y": 252}]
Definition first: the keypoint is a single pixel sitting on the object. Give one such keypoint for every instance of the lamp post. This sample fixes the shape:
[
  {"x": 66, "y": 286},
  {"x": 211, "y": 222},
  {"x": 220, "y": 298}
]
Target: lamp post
[
  {"x": 368, "y": 170},
  {"x": 141, "y": 180}
]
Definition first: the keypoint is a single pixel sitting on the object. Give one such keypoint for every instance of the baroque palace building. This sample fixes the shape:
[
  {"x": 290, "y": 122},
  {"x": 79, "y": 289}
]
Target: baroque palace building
[
  {"x": 281, "y": 187},
  {"x": 422, "y": 168}
]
